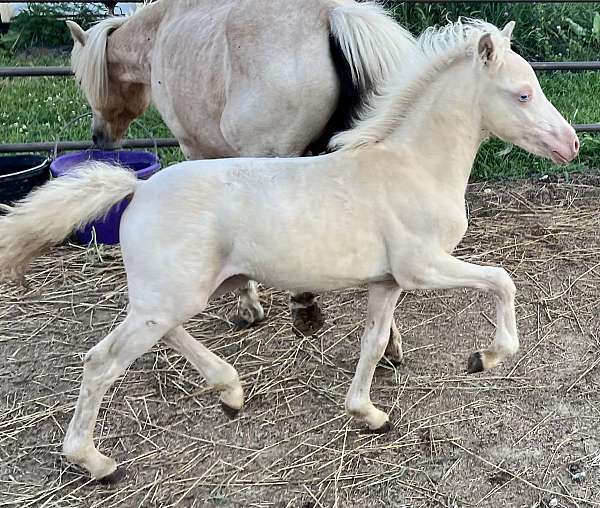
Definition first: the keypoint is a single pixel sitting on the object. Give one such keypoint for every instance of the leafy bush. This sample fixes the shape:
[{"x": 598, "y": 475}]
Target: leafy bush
[
  {"x": 565, "y": 31},
  {"x": 43, "y": 25}
]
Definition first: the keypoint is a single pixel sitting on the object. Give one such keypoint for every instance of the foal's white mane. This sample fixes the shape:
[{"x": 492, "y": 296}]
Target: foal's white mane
[
  {"x": 89, "y": 62},
  {"x": 439, "y": 48}
]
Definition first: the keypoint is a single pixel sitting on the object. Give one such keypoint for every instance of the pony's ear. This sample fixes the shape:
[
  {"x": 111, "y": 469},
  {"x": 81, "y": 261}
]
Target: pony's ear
[
  {"x": 77, "y": 32},
  {"x": 486, "y": 48},
  {"x": 508, "y": 30}
]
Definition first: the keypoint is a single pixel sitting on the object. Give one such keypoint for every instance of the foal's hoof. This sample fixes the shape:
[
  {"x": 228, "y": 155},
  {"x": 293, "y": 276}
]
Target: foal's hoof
[
  {"x": 308, "y": 320},
  {"x": 384, "y": 429},
  {"x": 230, "y": 412},
  {"x": 475, "y": 363},
  {"x": 113, "y": 478}
]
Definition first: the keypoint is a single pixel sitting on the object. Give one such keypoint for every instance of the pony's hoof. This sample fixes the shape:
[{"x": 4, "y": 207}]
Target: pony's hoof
[
  {"x": 240, "y": 323},
  {"x": 113, "y": 478},
  {"x": 308, "y": 320},
  {"x": 475, "y": 363},
  {"x": 384, "y": 429},
  {"x": 230, "y": 412},
  {"x": 386, "y": 361}
]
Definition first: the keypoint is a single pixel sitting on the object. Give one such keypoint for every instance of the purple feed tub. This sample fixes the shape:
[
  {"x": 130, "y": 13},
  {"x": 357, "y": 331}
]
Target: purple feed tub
[{"x": 144, "y": 164}]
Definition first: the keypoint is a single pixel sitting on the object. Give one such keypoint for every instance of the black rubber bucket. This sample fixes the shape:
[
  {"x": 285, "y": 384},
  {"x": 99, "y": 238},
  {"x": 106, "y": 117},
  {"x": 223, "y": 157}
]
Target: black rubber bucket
[{"x": 19, "y": 174}]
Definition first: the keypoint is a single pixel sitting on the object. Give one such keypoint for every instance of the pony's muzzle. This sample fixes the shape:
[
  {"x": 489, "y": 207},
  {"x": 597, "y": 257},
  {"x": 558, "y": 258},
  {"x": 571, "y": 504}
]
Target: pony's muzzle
[{"x": 101, "y": 141}]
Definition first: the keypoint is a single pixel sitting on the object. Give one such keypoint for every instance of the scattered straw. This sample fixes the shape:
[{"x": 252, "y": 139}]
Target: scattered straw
[{"x": 503, "y": 438}]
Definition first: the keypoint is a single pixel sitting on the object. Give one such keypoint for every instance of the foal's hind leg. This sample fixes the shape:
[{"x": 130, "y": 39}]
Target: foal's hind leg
[
  {"x": 103, "y": 364},
  {"x": 218, "y": 373},
  {"x": 250, "y": 310},
  {"x": 393, "y": 351}
]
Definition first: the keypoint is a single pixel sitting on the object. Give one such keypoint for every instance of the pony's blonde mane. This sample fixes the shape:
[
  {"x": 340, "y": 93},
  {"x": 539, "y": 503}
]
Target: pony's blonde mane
[
  {"x": 439, "y": 48},
  {"x": 89, "y": 62},
  {"x": 372, "y": 41}
]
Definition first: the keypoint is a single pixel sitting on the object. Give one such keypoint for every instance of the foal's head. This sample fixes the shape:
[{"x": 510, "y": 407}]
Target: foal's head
[
  {"x": 513, "y": 104},
  {"x": 115, "y": 102}
]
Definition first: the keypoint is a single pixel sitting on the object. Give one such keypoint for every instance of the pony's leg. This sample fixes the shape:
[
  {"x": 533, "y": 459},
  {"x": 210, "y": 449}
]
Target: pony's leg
[
  {"x": 218, "y": 373},
  {"x": 449, "y": 272},
  {"x": 393, "y": 351},
  {"x": 306, "y": 313},
  {"x": 103, "y": 364},
  {"x": 382, "y": 300},
  {"x": 250, "y": 310}
]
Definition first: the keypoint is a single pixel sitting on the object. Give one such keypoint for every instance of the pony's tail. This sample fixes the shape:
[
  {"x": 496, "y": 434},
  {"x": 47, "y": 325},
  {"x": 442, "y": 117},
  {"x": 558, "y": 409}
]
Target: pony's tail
[
  {"x": 372, "y": 42},
  {"x": 50, "y": 213}
]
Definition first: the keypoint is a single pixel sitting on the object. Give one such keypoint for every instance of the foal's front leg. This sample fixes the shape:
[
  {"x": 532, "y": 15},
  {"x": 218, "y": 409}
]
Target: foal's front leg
[
  {"x": 382, "y": 301},
  {"x": 447, "y": 272}
]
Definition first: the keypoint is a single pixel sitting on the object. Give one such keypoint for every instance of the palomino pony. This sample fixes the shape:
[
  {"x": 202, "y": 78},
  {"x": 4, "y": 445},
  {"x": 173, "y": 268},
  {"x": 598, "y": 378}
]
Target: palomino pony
[
  {"x": 240, "y": 79},
  {"x": 386, "y": 210}
]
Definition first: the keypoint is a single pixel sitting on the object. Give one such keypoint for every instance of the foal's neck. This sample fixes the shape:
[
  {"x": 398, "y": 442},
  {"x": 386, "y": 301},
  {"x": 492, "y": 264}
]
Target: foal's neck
[
  {"x": 129, "y": 47},
  {"x": 443, "y": 131}
]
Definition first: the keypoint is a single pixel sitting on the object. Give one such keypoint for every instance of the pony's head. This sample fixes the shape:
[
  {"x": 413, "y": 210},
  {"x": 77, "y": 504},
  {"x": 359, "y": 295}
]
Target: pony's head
[
  {"x": 115, "y": 101},
  {"x": 513, "y": 104}
]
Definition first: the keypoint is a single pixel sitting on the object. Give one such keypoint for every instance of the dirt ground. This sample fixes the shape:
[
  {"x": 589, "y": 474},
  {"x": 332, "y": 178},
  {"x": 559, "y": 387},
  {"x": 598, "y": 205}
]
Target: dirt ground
[{"x": 523, "y": 435}]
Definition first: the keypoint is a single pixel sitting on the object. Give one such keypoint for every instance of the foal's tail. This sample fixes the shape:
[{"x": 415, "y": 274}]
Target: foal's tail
[
  {"x": 373, "y": 44},
  {"x": 50, "y": 213}
]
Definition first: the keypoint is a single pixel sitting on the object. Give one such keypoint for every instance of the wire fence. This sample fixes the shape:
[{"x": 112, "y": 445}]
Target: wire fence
[{"x": 25, "y": 71}]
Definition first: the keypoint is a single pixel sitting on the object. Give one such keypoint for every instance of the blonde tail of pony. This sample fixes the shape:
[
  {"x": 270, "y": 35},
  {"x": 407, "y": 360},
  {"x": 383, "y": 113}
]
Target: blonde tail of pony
[
  {"x": 374, "y": 45},
  {"x": 50, "y": 213}
]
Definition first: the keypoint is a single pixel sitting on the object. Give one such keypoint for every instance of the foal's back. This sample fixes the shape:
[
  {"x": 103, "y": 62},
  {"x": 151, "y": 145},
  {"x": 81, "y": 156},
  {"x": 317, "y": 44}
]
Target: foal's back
[{"x": 265, "y": 218}]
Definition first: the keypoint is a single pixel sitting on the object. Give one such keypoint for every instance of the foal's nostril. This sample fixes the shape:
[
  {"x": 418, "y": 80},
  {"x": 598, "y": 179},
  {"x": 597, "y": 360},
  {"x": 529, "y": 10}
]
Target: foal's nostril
[
  {"x": 576, "y": 145},
  {"x": 94, "y": 139}
]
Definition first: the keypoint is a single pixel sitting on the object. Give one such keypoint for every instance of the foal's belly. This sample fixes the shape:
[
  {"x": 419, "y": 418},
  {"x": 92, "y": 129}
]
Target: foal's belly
[
  {"x": 313, "y": 282},
  {"x": 321, "y": 265}
]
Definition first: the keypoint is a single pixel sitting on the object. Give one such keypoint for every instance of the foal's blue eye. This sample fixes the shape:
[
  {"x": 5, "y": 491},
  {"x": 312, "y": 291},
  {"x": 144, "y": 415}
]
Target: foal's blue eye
[{"x": 524, "y": 97}]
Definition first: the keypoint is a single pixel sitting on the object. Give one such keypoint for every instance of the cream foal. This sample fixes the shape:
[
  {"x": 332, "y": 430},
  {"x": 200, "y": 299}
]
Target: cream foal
[{"x": 386, "y": 210}]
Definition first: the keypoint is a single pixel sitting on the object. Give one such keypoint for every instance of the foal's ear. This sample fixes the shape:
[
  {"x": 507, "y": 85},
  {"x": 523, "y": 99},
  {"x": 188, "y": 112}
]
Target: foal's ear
[
  {"x": 77, "y": 32},
  {"x": 508, "y": 30},
  {"x": 486, "y": 48}
]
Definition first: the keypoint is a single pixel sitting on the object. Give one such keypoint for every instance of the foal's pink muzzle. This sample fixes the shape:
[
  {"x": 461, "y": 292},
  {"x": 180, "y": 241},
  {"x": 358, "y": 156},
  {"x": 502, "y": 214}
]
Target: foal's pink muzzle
[{"x": 564, "y": 146}]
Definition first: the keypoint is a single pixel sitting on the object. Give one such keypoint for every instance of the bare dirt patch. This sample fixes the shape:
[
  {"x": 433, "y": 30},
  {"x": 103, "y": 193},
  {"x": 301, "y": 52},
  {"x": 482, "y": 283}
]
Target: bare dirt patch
[{"x": 525, "y": 434}]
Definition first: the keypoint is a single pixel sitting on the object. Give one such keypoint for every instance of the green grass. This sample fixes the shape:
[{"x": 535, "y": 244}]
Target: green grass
[
  {"x": 36, "y": 109},
  {"x": 560, "y": 31}
]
